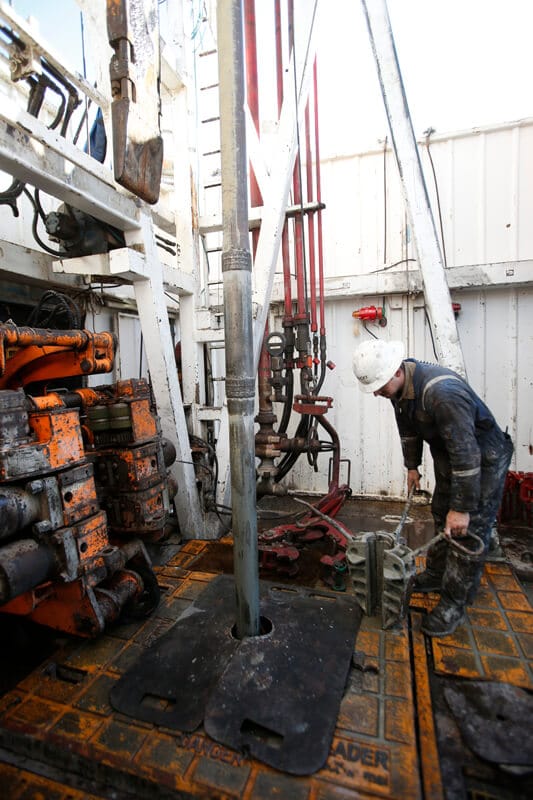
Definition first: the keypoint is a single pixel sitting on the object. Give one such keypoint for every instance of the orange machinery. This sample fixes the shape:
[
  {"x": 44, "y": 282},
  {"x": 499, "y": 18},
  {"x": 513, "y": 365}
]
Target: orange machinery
[{"x": 83, "y": 481}]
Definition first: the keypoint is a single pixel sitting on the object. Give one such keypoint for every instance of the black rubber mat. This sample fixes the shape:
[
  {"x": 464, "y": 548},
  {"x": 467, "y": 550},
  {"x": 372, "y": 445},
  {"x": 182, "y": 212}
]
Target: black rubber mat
[
  {"x": 275, "y": 696},
  {"x": 170, "y": 683},
  {"x": 494, "y": 719},
  {"x": 279, "y": 696}
]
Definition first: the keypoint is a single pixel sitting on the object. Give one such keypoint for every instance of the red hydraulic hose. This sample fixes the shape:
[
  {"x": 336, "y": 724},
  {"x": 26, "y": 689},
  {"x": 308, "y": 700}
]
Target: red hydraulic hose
[
  {"x": 252, "y": 93},
  {"x": 301, "y": 311},
  {"x": 310, "y": 220},
  {"x": 285, "y": 254},
  {"x": 279, "y": 56},
  {"x": 319, "y": 215},
  {"x": 285, "y": 234},
  {"x": 298, "y": 246}
]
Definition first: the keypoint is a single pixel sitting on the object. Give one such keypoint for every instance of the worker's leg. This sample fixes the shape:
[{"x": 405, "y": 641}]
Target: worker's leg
[
  {"x": 482, "y": 521},
  {"x": 430, "y": 580},
  {"x": 462, "y": 574}
]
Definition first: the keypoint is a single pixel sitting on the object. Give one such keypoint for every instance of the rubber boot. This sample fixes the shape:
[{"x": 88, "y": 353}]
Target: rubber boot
[
  {"x": 430, "y": 580},
  {"x": 459, "y": 584},
  {"x": 427, "y": 581}
]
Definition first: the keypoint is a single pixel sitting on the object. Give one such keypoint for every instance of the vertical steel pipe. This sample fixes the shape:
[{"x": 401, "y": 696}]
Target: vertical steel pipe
[{"x": 237, "y": 279}]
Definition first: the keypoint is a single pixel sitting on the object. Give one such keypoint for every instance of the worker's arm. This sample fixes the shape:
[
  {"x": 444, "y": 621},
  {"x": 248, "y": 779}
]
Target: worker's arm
[{"x": 412, "y": 444}]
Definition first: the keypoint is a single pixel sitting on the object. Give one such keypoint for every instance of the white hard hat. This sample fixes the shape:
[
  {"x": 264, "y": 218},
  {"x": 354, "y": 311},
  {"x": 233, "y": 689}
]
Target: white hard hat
[{"x": 375, "y": 362}]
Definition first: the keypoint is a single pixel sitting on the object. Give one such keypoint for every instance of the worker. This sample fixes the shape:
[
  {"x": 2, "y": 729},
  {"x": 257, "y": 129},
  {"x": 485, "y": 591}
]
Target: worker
[{"x": 471, "y": 456}]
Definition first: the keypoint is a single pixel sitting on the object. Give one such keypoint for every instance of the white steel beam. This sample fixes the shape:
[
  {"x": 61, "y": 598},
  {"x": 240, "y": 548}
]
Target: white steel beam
[
  {"x": 184, "y": 140},
  {"x": 256, "y": 155},
  {"x": 128, "y": 265},
  {"x": 125, "y": 263},
  {"x": 472, "y": 276},
  {"x": 445, "y": 334},
  {"x": 23, "y": 265},
  {"x": 36, "y": 155},
  {"x": 159, "y": 348}
]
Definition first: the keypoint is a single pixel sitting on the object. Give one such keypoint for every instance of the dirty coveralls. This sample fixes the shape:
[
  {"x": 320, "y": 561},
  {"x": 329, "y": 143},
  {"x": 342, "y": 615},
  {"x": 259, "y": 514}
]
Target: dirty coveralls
[{"x": 471, "y": 456}]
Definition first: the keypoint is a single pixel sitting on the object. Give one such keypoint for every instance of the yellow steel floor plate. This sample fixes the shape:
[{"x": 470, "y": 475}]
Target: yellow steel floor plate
[
  {"x": 496, "y": 641},
  {"x": 60, "y": 714},
  {"x": 21, "y": 784}
]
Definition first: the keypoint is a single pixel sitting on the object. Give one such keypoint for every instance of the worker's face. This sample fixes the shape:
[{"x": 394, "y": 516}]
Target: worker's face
[{"x": 392, "y": 387}]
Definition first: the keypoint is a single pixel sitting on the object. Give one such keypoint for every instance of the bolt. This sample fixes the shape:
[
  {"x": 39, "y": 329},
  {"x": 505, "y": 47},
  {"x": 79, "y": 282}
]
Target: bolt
[{"x": 43, "y": 526}]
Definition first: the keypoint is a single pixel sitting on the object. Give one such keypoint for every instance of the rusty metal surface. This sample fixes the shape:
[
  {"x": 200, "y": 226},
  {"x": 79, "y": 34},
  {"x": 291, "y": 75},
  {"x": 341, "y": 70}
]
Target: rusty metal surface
[
  {"x": 22, "y": 784},
  {"x": 429, "y": 755},
  {"x": 133, "y": 32},
  {"x": 65, "y": 564},
  {"x": 464, "y": 773},
  {"x": 34, "y": 354},
  {"x": 493, "y": 646},
  {"x": 61, "y": 711},
  {"x": 394, "y": 738},
  {"x": 54, "y": 441}
]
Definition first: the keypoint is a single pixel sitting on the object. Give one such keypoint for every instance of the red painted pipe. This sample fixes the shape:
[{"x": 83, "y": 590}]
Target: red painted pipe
[
  {"x": 285, "y": 235},
  {"x": 252, "y": 94},
  {"x": 301, "y": 310},
  {"x": 310, "y": 221},
  {"x": 319, "y": 214}
]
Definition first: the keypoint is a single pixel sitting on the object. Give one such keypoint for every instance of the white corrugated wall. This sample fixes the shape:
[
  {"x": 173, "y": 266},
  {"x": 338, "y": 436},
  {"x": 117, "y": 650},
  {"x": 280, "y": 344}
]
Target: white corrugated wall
[
  {"x": 499, "y": 365},
  {"x": 484, "y": 180},
  {"x": 485, "y": 190}
]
